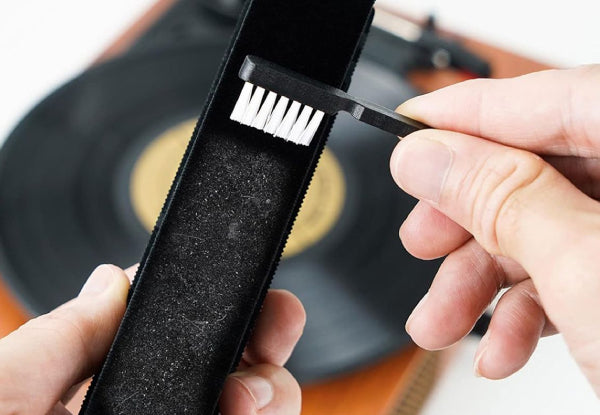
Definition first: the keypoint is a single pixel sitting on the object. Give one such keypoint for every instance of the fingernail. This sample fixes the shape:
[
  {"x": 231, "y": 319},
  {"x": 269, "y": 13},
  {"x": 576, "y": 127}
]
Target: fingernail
[
  {"x": 408, "y": 107},
  {"x": 260, "y": 388},
  {"x": 420, "y": 167},
  {"x": 100, "y": 279},
  {"x": 415, "y": 312},
  {"x": 481, "y": 349}
]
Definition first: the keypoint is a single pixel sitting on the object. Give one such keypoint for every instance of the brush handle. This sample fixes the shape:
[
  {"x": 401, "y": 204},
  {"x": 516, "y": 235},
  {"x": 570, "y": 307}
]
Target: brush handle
[{"x": 384, "y": 118}]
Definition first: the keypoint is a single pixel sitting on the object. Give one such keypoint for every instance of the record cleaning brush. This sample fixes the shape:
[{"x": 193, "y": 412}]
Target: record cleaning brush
[{"x": 310, "y": 101}]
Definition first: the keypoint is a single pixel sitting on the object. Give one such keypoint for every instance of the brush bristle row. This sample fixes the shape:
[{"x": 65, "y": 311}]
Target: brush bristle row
[{"x": 274, "y": 115}]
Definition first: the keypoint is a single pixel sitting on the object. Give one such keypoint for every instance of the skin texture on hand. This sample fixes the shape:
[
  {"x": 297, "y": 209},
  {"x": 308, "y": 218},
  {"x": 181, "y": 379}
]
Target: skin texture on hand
[
  {"x": 43, "y": 363},
  {"x": 508, "y": 184}
]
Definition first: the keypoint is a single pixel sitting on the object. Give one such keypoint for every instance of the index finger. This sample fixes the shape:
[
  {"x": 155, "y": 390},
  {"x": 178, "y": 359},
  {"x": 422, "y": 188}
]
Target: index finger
[{"x": 551, "y": 112}]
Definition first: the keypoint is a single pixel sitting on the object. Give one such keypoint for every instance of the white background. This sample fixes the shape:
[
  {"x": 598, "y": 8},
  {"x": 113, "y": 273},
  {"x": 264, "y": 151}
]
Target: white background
[{"x": 43, "y": 43}]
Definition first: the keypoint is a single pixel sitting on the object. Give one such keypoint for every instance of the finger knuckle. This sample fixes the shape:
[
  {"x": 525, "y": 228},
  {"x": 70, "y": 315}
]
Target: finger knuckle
[
  {"x": 578, "y": 120},
  {"x": 498, "y": 188}
]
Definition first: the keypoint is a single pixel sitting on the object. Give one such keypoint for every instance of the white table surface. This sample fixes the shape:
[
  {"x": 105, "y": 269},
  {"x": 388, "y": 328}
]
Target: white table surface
[{"x": 43, "y": 44}]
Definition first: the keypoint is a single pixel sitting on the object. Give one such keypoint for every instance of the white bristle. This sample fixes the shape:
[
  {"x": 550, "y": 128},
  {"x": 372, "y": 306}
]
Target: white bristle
[
  {"x": 275, "y": 116},
  {"x": 263, "y": 115},
  {"x": 311, "y": 130},
  {"x": 253, "y": 106},
  {"x": 300, "y": 125},
  {"x": 288, "y": 121},
  {"x": 242, "y": 103}
]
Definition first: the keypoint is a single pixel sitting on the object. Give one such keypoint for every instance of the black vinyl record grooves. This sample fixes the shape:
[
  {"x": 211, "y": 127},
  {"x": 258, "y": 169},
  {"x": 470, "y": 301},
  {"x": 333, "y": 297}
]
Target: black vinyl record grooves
[
  {"x": 65, "y": 203},
  {"x": 63, "y": 207}
]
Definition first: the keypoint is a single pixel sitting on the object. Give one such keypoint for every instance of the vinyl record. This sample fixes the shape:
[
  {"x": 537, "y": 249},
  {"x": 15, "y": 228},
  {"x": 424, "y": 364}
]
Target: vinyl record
[{"x": 83, "y": 176}]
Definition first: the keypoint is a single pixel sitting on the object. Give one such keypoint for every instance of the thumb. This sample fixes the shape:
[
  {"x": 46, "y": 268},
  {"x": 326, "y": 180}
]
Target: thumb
[
  {"x": 46, "y": 356},
  {"x": 516, "y": 205}
]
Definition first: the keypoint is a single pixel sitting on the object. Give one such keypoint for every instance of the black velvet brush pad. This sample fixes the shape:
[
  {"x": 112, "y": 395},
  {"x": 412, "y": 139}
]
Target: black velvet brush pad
[{"x": 218, "y": 240}]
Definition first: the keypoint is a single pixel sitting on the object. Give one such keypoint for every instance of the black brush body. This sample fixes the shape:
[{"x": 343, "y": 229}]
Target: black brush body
[
  {"x": 220, "y": 235},
  {"x": 323, "y": 97}
]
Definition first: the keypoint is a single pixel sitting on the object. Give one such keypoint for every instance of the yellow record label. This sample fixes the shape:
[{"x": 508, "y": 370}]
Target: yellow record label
[
  {"x": 155, "y": 170},
  {"x": 321, "y": 207}
]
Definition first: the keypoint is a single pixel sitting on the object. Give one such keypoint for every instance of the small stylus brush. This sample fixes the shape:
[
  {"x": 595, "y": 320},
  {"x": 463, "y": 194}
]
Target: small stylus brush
[{"x": 291, "y": 106}]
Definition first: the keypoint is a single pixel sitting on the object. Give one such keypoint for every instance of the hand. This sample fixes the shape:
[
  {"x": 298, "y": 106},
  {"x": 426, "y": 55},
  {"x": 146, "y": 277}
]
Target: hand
[
  {"x": 43, "y": 363},
  {"x": 506, "y": 217}
]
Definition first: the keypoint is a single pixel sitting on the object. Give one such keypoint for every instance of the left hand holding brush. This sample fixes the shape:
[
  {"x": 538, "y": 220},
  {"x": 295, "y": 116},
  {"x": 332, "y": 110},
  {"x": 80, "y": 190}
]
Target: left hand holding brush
[{"x": 43, "y": 364}]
